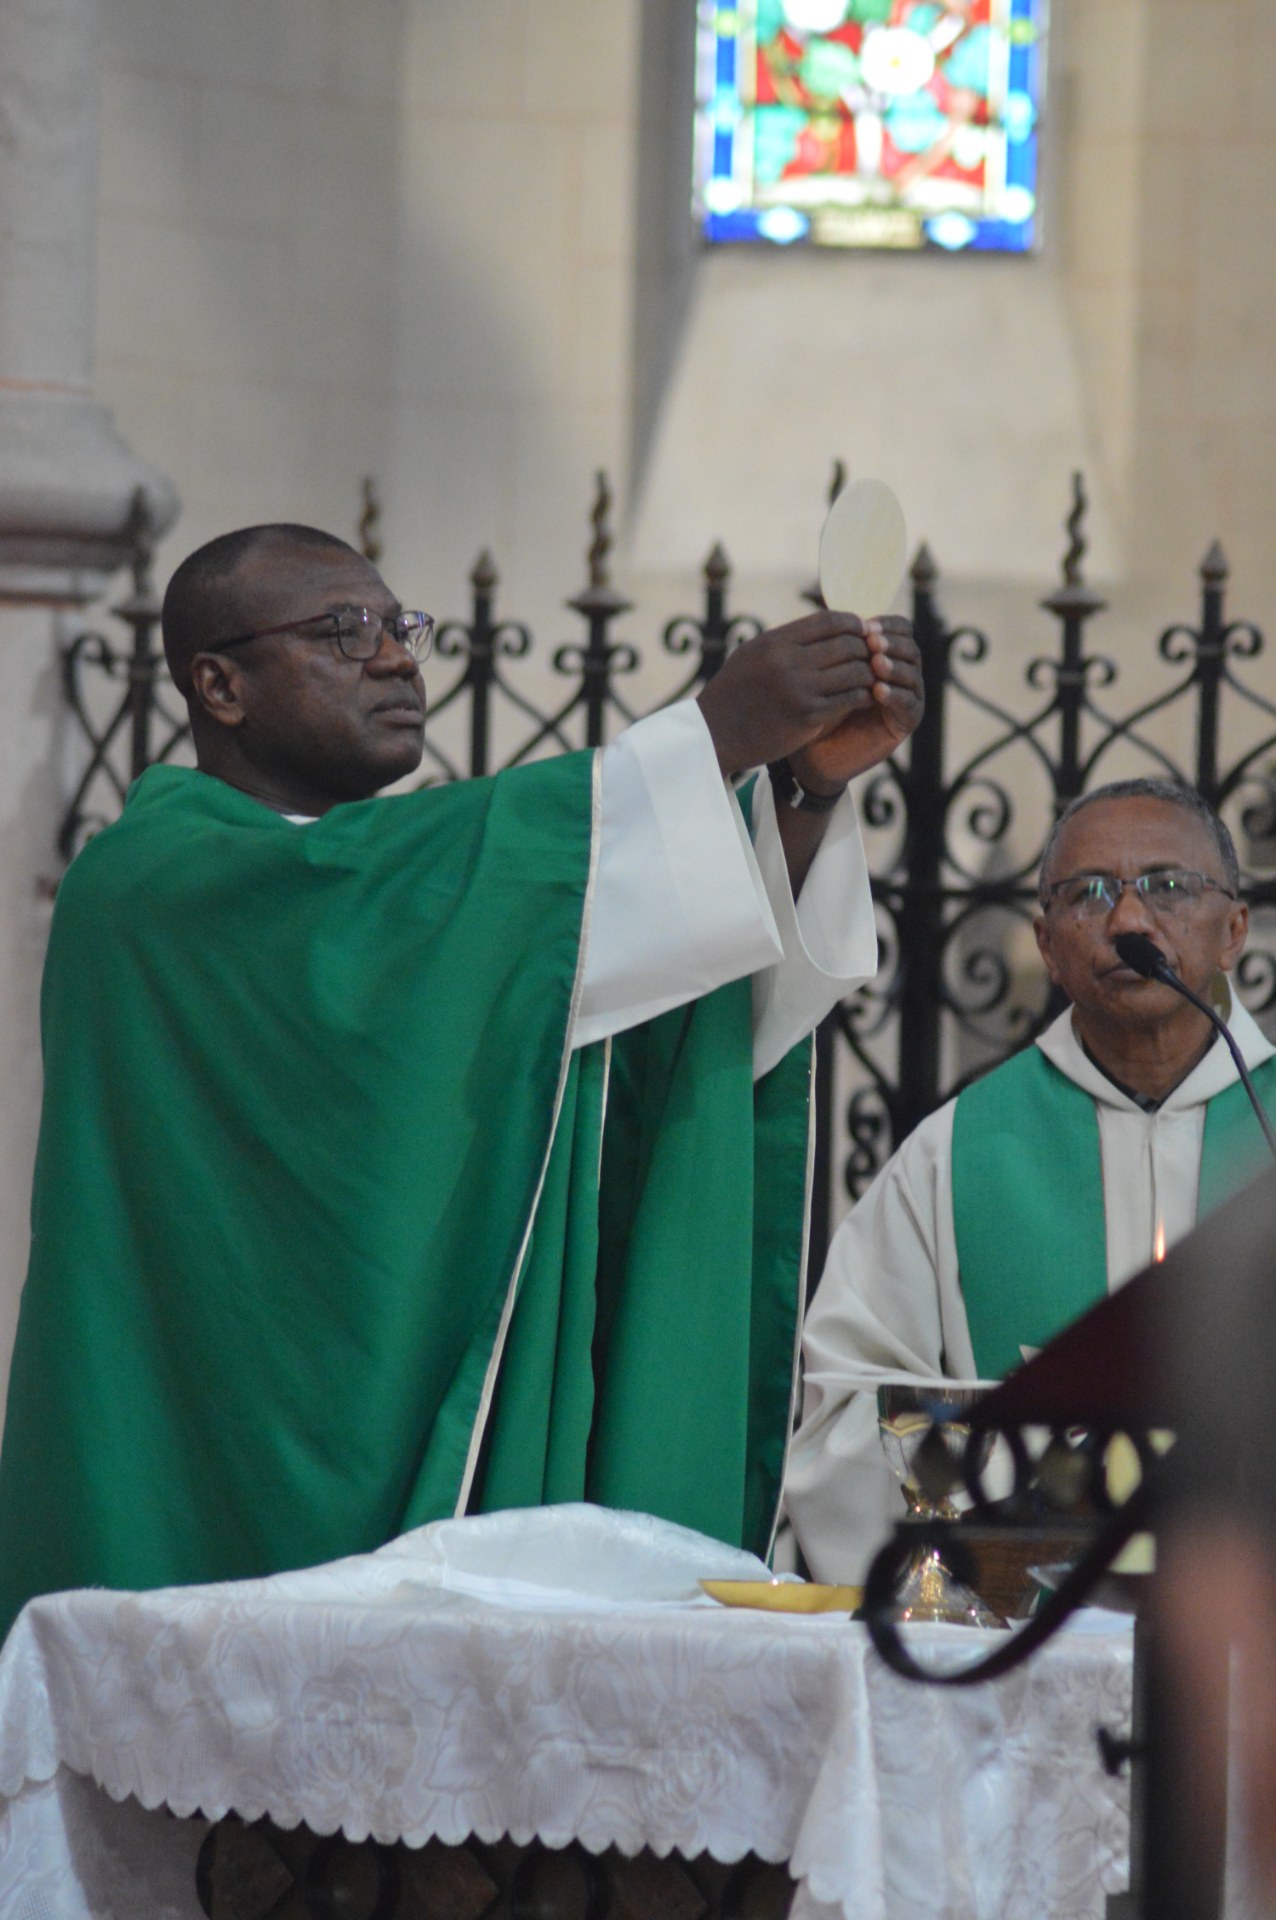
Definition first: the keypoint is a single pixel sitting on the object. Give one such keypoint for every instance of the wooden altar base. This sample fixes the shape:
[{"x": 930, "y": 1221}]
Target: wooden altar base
[{"x": 263, "y": 1872}]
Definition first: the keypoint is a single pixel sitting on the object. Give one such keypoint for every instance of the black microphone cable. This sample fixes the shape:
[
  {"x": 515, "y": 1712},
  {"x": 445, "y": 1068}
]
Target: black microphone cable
[{"x": 1145, "y": 957}]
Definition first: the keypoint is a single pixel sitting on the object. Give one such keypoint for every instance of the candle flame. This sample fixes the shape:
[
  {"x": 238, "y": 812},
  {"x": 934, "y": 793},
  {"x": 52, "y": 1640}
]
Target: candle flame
[{"x": 1158, "y": 1241}]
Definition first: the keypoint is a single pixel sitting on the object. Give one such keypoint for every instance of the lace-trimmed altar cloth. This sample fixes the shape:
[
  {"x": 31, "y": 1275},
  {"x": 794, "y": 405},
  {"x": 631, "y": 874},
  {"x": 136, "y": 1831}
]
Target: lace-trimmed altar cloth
[{"x": 420, "y": 1691}]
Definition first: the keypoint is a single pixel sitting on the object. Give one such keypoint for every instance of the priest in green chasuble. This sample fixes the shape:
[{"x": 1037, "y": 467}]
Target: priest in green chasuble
[
  {"x": 436, "y": 1152},
  {"x": 1055, "y": 1177}
]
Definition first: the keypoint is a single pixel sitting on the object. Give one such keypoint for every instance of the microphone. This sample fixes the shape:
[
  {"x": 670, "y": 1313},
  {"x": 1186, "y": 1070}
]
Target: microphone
[{"x": 1135, "y": 950}]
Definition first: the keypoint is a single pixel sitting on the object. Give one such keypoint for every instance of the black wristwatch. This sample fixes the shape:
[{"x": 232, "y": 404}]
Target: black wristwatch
[{"x": 789, "y": 791}]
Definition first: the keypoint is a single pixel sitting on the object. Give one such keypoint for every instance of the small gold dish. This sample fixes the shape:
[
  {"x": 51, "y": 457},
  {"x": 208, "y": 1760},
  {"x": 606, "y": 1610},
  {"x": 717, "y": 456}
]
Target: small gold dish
[{"x": 784, "y": 1596}]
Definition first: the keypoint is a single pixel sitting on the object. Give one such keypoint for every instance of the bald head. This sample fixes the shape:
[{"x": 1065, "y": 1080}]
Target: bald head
[
  {"x": 277, "y": 706},
  {"x": 211, "y": 596}
]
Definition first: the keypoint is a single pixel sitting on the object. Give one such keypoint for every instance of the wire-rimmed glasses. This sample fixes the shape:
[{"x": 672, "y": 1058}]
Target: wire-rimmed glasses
[
  {"x": 356, "y": 630},
  {"x": 1166, "y": 890}
]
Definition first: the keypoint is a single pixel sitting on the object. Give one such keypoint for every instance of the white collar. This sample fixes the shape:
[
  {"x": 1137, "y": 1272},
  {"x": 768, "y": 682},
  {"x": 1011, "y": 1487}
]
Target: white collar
[{"x": 1209, "y": 1076}]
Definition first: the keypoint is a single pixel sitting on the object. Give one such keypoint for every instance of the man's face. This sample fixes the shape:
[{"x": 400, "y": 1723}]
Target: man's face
[
  {"x": 1131, "y": 837},
  {"x": 343, "y": 728}
]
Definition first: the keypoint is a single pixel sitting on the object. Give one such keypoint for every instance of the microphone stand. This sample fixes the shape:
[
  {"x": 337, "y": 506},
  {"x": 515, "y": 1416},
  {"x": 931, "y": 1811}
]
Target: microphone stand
[{"x": 1137, "y": 951}]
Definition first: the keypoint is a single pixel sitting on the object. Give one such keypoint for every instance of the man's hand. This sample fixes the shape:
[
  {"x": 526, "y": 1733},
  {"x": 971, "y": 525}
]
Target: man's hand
[
  {"x": 875, "y": 730},
  {"x": 833, "y": 693}
]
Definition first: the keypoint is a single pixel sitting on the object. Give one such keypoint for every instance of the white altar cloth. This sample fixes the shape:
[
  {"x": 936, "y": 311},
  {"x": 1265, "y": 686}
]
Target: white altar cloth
[{"x": 417, "y": 1692}]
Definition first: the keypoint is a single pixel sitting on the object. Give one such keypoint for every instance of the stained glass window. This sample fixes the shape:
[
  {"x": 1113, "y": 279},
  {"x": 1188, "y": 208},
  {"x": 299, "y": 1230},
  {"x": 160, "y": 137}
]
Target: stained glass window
[{"x": 870, "y": 123}]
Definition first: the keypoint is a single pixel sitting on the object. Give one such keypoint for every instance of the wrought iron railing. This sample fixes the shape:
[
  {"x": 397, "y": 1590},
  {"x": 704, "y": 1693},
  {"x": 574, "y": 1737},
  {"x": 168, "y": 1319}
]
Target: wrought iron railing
[
  {"x": 968, "y": 829},
  {"x": 955, "y": 827},
  {"x": 122, "y": 703}
]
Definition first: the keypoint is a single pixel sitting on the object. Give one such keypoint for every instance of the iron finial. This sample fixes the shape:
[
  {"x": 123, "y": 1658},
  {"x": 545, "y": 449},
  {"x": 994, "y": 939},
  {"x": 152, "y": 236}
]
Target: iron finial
[
  {"x": 923, "y": 572},
  {"x": 139, "y": 532},
  {"x": 1214, "y": 567},
  {"x": 369, "y": 521},
  {"x": 600, "y": 546},
  {"x": 484, "y": 576},
  {"x": 1076, "y": 539},
  {"x": 142, "y": 535}
]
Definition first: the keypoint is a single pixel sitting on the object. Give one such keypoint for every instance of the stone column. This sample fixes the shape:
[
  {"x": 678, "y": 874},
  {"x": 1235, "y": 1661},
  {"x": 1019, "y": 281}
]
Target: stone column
[
  {"x": 66, "y": 476},
  {"x": 67, "y": 482}
]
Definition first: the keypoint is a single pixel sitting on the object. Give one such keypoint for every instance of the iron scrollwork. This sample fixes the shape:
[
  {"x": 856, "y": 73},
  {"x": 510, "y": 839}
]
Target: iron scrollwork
[
  {"x": 120, "y": 699},
  {"x": 954, "y": 838},
  {"x": 973, "y": 833}
]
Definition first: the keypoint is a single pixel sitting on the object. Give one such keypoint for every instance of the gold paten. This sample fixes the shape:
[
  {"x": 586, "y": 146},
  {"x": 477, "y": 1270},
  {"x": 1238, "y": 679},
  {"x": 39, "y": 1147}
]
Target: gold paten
[{"x": 784, "y": 1596}]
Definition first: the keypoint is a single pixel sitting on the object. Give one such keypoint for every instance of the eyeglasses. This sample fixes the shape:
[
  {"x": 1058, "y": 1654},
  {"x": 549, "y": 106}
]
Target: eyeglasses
[
  {"x": 1168, "y": 890},
  {"x": 356, "y": 630}
]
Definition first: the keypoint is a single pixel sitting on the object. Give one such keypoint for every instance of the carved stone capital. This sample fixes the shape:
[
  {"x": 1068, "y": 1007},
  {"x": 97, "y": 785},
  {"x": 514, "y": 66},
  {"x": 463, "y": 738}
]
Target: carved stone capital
[
  {"x": 67, "y": 484},
  {"x": 67, "y": 478}
]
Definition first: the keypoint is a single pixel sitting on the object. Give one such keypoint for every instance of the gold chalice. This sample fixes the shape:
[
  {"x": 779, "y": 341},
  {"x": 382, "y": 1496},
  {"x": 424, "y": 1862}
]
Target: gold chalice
[{"x": 905, "y": 1416}]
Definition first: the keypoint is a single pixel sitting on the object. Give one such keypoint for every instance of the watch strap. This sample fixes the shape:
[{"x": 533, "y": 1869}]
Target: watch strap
[{"x": 790, "y": 792}]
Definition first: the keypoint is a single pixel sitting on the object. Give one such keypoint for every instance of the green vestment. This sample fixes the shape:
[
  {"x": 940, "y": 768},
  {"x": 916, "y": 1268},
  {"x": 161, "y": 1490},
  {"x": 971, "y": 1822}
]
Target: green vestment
[
  {"x": 1028, "y": 1199},
  {"x": 315, "y": 1249}
]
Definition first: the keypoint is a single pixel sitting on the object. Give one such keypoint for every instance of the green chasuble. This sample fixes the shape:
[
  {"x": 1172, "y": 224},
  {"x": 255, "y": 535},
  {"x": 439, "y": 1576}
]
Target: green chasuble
[
  {"x": 1028, "y": 1200},
  {"x": 315, "y": 1249}
]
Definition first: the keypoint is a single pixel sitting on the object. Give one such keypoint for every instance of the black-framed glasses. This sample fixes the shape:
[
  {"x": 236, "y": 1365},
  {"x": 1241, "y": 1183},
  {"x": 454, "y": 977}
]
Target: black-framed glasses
[
  {"x": 356, "y": 630},
  {"x": 1166, "y": 890}
]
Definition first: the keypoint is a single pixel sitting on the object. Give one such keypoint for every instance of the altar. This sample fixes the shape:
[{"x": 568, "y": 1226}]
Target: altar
[{"x": 426, "y": 1694}]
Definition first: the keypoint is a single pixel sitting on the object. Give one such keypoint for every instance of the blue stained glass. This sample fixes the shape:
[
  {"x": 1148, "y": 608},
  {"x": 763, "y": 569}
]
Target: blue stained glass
[
  {"x": 726, "y": 112},
  {"x": 1003, "y": 236},
  {"x": 1021, "y": 163},
  {"x": 967, "y": 64},
  {"x": 776, "y": 131},
  {"x": 732, "y": 226},
  {"x": 906, "y": 124},
  {"x": 1018, "y": 115},
  {"x": 915, "y": 122},
  {"x": 783, "y": 225},
  {"x": 951, "y": 231}
]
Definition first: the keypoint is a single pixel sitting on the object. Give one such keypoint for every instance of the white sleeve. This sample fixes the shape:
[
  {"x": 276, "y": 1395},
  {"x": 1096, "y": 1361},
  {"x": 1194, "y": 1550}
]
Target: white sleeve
[
  {"x": 682, "y": 904},
  {"x": 888, "y": 1308},
  {"x": 829, "y": 934},
  {"x": 679, "y": 905}
]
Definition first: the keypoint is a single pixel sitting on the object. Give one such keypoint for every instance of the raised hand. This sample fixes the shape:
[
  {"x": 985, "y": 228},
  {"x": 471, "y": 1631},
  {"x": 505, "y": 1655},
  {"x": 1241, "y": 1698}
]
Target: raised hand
[
  {"x": 871, "y": 731},
  {"x": 781, "y": 692},
  {"x": 832, "y": 693}
]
